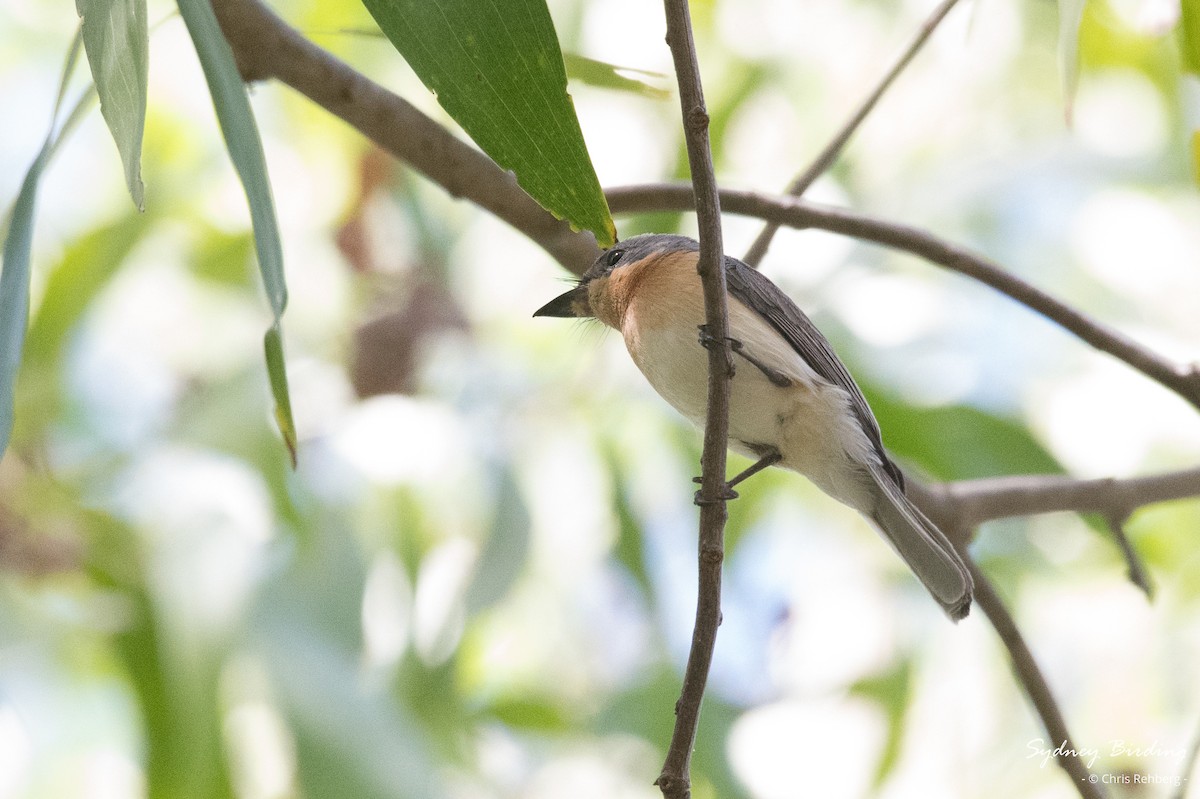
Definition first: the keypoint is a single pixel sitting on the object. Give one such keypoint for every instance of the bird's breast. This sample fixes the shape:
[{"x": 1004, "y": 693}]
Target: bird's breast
[{"x": 808, "y": 421}]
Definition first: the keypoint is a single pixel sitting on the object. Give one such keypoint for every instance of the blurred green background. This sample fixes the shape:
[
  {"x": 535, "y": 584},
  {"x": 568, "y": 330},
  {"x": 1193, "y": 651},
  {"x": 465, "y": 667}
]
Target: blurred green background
[{"x": 479, "y": 582}]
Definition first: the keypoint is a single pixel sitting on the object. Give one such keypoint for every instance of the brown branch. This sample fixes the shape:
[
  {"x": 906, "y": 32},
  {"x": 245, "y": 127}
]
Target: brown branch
[
  {"x": 1183, "y": 380},
  {"x": 1137, "y": 570},
  {"x": 267, "y": 47},
  {"x": 1035, "y": 685},
  {"x": 968, "y": 503},
  {"x": 675, "y": 779},
  {"x": 833, "y": 149}
]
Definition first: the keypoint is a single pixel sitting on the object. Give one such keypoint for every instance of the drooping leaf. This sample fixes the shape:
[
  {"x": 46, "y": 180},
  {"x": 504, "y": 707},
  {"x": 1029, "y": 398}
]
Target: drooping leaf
[
  {"x": 506, "y": 548},
  {"x": 14, "y": 292},
  {"x": 891, "y": 691},
  {"x": 1070, "y": 15},
  {"x": 497, "y": 69},
  {"x": 14, "y": 269},
  {"x": 236, "y": 119},
  {"x": 277, "y": 374},
  {"x": 629, "y": 549},
  {"x": 116, "y": 39},
  {"x": 86, "y": 267}
]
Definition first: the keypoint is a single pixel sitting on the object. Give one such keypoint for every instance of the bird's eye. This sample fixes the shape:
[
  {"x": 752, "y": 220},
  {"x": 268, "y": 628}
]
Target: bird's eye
[{"x": 613, "y": 256}]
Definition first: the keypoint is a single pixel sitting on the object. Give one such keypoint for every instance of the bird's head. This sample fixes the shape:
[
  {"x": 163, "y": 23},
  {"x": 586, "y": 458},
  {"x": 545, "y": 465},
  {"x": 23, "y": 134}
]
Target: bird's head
[{"x": 604, "y": 290}]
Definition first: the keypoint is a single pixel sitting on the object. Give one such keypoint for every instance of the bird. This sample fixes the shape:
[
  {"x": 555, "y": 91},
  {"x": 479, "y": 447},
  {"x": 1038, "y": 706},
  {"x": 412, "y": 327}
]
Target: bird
[{"x": 792, "y": 403}]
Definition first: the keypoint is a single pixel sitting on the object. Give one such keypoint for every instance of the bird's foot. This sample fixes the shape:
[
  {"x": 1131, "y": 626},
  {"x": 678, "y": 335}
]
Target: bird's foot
[{"x": 726, "y": 495}]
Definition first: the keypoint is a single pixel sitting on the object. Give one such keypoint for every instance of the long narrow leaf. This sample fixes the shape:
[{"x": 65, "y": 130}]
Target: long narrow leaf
[
  {"x": 14, "y": 292},
  {"x": 236, "y": 119},
  {"x": 117, "y": 42},
  {"x": 1070, "y": 16},
  {"x": 496, "y": 67},
  {"x": 14, "y": 272},
  {"x": 277, "y": 375}
]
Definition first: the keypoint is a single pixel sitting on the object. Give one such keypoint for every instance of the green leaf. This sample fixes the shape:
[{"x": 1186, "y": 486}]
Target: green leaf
[
  {"x": 14, "y": 269},
  {"x": 506, "y": 549},
  {"x": 1070, "y": 15},
  {"x": 277, "y": 374},
  {"x": 497, "y": 69},
  {"x": 530, "y": 714},
  {"x": 959, "y": 442},
  {"x": 1195, "y": 148},
  {"x": 629, "y": 549},
  {"x": 610, "y": 76},
  {"x": 1189, "y": 32},
  {"x": 891, "y": 690},
  {"x": 117, "y": 43},
  {"x": 14, "y": 292},
  {"x": 245, "y": 150},
  {"x": 646, "y": 710},
  {"x": 86, "y": 267}
]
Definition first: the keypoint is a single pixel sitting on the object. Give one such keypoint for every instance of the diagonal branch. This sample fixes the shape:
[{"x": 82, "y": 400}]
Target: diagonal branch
[
  {"x": 1035, "y": 685},
  {"x": 1183, "y": 380},
  {"x": 1137, "y": 570},
  {"x": 825, "y": 159},
  {"x": 267, "y": 47},
  {"x": 675, "y": 779}
]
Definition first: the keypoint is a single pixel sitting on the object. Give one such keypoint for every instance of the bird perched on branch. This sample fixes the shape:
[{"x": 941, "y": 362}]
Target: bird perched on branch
[{"x": 792, "y": 403}]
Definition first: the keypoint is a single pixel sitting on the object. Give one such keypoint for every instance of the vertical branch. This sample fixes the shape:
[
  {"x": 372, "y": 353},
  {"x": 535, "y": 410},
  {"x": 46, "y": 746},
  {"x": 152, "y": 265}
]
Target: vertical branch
[
  {"x": 675, "y": 780},
  {"x": 1086, "y": 783},
  {"x": 827, "y": 156}
]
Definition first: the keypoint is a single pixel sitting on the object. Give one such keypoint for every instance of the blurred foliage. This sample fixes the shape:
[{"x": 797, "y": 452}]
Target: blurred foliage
[{"x": 479, "y": 580}]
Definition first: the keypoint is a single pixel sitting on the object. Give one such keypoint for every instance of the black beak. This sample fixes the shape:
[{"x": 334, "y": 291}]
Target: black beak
[{"x": 567, "y": 304}]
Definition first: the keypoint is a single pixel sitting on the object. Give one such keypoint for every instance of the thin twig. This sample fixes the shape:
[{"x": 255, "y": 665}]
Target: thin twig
[
  {"x": 675, "y": 779},
  {"x": 1133, "y": 561},
  {"x": 1184, "y": 380},
  {"x": 835, "y": 146},
  {"x": 267, "y": 47},
  {"x": 1035, "y": 685}
]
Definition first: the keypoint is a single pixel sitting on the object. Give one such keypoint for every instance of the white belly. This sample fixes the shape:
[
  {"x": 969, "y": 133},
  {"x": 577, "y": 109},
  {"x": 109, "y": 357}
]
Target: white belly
[{"x": 808, "y": 422}]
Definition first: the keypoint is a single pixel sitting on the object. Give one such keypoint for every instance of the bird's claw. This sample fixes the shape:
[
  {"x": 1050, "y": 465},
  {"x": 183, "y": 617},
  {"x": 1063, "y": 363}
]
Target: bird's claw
[{"x": 726, "y": 495}]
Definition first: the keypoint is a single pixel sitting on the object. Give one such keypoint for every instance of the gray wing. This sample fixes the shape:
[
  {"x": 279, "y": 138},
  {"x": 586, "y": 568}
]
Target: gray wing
[{"x": 757, "y": 292}]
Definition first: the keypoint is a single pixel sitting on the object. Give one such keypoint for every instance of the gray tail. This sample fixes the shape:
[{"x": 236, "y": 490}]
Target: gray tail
[{"x": 922, "y": 545}]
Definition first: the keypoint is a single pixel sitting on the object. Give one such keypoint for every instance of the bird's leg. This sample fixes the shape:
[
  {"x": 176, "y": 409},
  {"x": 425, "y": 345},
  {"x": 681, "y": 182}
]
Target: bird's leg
[
  {"x": 777, "y": 378},
  {"x": 770, "y": 457}
]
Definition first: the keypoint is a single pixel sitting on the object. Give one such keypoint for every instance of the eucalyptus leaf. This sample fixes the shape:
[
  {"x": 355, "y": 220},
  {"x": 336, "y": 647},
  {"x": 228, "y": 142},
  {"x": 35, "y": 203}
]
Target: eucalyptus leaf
[
  {"x": 236, "y": 119},
  {"x": 603, "y": 75},
  {"x": 14, "y": 272},
  {"x": 117, "y": 42},
  {"x": 1070, "y": 15},
  {"x": 497, "y": 69}
]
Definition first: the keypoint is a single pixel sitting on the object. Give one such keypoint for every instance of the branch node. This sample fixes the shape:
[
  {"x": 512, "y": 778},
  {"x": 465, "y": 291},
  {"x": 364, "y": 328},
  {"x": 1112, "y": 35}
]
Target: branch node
[{"x": 712, "y": 556}]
